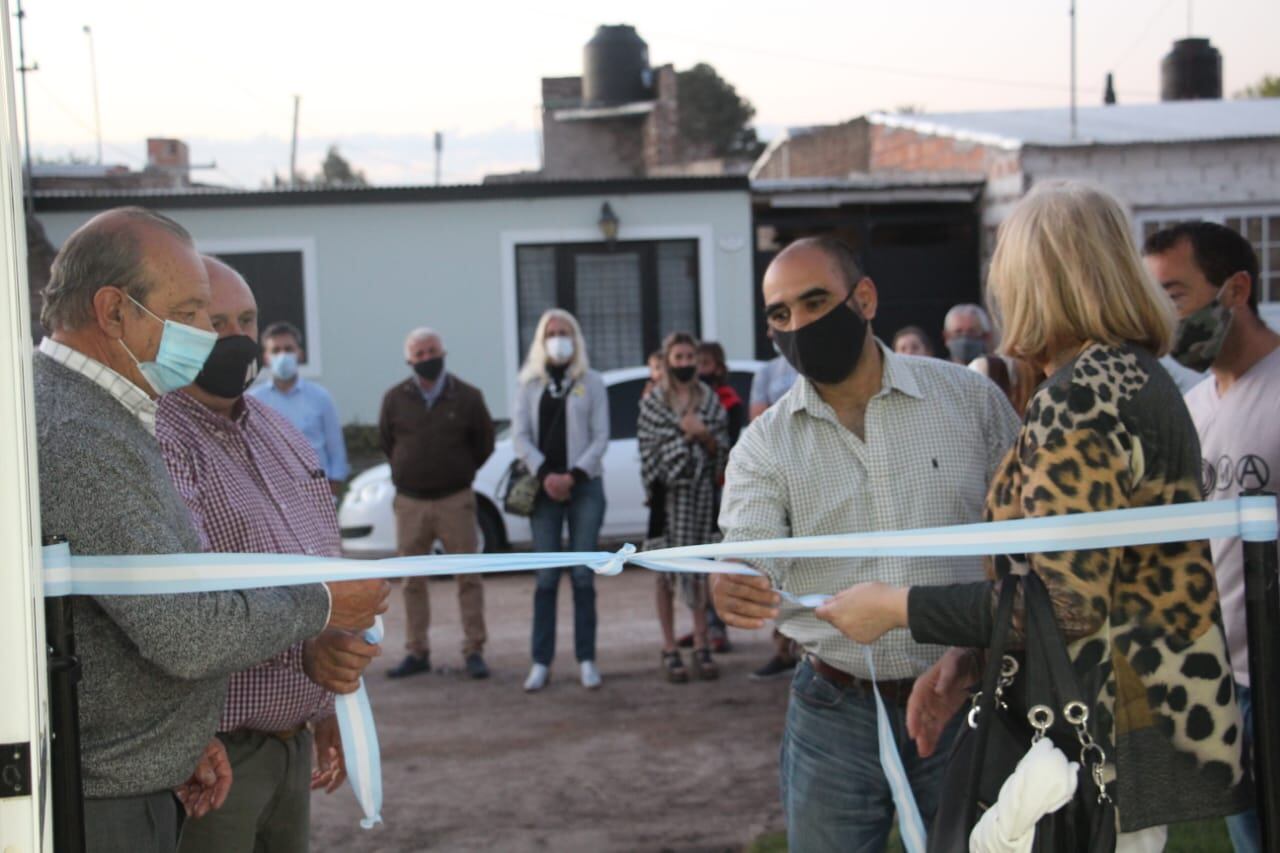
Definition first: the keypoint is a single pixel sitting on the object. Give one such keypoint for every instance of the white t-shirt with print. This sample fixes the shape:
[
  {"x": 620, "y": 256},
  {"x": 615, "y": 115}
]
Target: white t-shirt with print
[{"x": 1240, "y": 450}]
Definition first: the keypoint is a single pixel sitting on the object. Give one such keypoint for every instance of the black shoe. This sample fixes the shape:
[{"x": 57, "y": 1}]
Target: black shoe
[
  {"x": 673, "y": 666},
  {"x": 774, "y": 668},
  {"x": 476, "y": 667},
  {"x": 411, "y": 665}
]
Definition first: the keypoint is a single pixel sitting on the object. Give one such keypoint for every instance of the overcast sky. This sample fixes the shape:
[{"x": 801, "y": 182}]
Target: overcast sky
[{"x": 379, "y": 77}]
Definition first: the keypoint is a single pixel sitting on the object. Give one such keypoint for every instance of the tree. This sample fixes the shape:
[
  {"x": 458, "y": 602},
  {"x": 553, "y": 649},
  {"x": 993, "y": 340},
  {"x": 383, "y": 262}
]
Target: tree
[
  {"x": 713, "y": 114},
  {"x": 337, "y": 172},
  {"x": 1267, "y": 87}
]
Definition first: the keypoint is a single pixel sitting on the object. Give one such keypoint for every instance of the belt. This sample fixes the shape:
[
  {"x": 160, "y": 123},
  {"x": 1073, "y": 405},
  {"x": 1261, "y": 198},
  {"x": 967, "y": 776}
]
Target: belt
[
  {"x": 283, "y": 735},
  {"x": 895, "y": 692},
  {"x": 432, "y": 494},
  {"x": 288, "y": 734}
]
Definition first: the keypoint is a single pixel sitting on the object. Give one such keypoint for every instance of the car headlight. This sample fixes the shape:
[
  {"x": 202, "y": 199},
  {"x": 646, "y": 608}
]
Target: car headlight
[{"x": 369, "y": 493}]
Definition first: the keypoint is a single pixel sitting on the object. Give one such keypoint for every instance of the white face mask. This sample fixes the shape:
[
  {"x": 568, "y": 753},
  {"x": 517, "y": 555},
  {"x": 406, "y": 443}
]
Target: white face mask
[{"x": 559, "y": 349}]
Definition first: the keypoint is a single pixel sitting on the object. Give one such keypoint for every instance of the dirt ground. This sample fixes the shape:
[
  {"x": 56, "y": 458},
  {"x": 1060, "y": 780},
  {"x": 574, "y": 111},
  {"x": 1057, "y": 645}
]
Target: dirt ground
[{"x": 638, "y": 765}]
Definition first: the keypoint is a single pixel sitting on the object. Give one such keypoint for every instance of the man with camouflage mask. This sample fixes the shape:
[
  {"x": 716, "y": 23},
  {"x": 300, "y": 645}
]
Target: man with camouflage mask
[{"x": 1211, "y": 273}]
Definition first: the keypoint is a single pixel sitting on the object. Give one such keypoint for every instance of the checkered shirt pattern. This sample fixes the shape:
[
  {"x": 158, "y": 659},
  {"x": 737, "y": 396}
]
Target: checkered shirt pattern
[
  {"x": 935, "y": 434},
  {"x": 684, "y": 468},
  {"x": 133, "y": 398},
  {"x": 253, "y": 485}
]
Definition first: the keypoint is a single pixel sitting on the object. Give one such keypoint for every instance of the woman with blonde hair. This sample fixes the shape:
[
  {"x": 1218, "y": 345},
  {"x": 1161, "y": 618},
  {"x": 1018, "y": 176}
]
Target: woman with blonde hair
[
  {"x": 561, "y": 433},
  {"x": 1107, "y": 430},
  {"x": 684, "y": 443}
]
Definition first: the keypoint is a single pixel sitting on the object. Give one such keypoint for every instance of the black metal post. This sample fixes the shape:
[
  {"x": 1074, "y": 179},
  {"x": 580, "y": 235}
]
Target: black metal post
[
  {"x": 1262, "y": 613},
  {"x": 64, "y": 723}
]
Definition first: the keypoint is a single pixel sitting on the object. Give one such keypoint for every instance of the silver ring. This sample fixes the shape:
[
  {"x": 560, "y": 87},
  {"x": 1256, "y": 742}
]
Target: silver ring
[
  {"x": 1075, "y": 713},
  {"x": 1009, "y": 667},
  {"x": 1040, "y": 717}
]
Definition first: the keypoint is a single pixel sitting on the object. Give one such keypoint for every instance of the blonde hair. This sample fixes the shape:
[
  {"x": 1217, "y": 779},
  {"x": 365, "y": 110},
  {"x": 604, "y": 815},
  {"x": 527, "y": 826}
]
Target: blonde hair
[
  {"x": 535, "y": 363},
  {"x": 1066, "y": 271},
  {"x": 670, "y": 342}
]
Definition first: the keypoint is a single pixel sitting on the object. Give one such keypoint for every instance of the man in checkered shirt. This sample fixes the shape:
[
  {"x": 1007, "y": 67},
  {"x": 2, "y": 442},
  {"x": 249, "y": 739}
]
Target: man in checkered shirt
[
  {"x": 254, "y": 485},
  {"x": 865, "y": 440}
]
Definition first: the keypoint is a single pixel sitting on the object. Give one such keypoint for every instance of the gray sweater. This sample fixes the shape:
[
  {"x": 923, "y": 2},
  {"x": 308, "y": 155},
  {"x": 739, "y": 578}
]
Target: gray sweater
[
  {"x": 155, "y": 666},
  {"x": 586, "y": 424}
]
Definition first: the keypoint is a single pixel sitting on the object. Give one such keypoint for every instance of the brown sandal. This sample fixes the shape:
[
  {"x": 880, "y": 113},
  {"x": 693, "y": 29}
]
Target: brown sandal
[
  {"x": 673, "y": 666},
  {"x": 703, "y": 666}
]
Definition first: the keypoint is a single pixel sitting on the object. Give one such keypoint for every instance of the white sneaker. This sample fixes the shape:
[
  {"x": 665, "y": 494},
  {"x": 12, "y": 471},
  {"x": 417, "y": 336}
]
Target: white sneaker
[
  {"x": 590, "y": 675},
  {"x": 539, "y": 675}
]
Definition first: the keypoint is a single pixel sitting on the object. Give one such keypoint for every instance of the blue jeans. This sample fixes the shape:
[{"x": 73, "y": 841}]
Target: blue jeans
[
  {"x": 834, "y": 792},
  {"x": 584, "y": 512},
  {"x": 1246, "y": 835}
]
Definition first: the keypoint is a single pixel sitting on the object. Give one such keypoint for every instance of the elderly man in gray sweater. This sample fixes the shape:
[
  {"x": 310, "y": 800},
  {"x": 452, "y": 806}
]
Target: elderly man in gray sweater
[{"x": 126, "y": 308}]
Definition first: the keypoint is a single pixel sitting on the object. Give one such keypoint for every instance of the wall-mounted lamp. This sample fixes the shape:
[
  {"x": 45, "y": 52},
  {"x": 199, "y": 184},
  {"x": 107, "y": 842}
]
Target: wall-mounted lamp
[{"x": 608, "y": 223}]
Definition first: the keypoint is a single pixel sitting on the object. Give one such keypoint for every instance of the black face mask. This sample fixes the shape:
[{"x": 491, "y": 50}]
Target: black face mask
[
  {"x": 827, "y": 350},
  {"x": 430, "y": 369},
  {"x": 230, "y": 368},
  {"x": 683, "y": 374},
  {"x": 711, "y": 379}
]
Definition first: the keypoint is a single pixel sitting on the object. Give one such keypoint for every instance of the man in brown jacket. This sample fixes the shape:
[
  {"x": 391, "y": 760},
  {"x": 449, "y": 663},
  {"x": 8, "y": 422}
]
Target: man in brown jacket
[{"x": 436, "y": 431}]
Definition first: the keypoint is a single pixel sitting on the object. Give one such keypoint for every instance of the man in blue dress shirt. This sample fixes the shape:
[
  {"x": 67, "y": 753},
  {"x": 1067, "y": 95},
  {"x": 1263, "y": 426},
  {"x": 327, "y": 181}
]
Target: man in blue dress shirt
[{"x": 306, "y": 405}]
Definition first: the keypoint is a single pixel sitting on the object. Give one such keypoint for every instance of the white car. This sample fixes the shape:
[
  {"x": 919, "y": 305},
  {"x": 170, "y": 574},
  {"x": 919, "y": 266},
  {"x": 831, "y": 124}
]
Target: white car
[{"x": 369, "y": 527}]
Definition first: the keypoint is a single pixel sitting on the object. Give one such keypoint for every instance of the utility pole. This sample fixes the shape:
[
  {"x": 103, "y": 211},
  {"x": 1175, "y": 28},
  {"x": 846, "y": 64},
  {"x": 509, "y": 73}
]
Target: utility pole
[
  {"x": 439, "y": 144},
  {"x": 93, "y": 71},
  {"x": 1073, "y": 70},
  {"x": 293, "y": 148},
  {"x": 23, "y": 69}
]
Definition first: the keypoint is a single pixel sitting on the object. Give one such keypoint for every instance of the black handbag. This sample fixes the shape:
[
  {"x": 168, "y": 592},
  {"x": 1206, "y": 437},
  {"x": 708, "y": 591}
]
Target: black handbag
[{"x": 1024, "y": 697}]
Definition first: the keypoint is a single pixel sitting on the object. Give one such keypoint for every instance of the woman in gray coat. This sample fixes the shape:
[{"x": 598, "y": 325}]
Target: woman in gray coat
[{"x": 561, "y": 432}]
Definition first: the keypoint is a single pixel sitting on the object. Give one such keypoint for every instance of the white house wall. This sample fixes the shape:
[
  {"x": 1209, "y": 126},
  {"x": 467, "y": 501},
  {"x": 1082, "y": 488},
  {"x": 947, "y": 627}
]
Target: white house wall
[
  {"x": 1153, "y": 177},
  {"x": 380, "y": 269}
]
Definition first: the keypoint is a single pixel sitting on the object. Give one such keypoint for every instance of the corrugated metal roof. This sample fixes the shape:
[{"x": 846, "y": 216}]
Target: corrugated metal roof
[
  {"x": 192, "y": 197},
  {"x": 870, "y": 181},
  {"x": 1128, "y": 124},
  {"x": 869, "y": 188}
]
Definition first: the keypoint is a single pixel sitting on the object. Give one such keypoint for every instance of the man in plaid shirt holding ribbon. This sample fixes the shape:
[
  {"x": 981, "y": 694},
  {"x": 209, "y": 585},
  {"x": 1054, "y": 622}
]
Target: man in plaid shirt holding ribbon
[{"x": 254, "y": 485}]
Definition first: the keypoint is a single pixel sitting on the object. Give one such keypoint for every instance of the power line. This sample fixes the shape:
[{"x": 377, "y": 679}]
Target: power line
[
  {"x": 1044, "y": 86},
  {"x": 1127, "y": 53},
  {"x": 86, "y": 126}
]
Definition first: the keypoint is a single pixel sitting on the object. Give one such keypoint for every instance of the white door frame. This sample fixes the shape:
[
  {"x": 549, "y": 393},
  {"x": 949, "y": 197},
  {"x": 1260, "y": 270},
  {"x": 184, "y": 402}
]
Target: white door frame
[
  {"x": 306, "y": 246},
  {"x": 509, "y": 240},
  {"x": 24, "y": 709}
]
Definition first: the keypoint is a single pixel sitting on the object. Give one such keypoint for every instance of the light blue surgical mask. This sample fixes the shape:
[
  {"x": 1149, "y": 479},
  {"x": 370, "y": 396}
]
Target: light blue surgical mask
[
  {"x": 182, "y": 354},
  {"x": 284, "y": 366}
]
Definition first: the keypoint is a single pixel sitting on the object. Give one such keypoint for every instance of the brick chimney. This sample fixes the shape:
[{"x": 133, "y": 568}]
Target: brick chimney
[{"x": 170, "y": 157}]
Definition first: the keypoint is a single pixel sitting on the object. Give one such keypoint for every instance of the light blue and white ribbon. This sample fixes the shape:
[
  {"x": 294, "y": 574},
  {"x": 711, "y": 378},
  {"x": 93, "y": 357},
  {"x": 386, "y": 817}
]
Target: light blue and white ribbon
[
  {"x": 363, "y": 759},
  {"x": 1250, "y": 518},
  {"x": 910, "y": 824}
]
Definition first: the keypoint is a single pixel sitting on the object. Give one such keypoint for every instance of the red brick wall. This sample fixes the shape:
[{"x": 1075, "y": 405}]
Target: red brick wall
[
  {"x": 898, "y": 150},
  {"x": 824, "y": 152},
  {"x": 662, "y": 144}
]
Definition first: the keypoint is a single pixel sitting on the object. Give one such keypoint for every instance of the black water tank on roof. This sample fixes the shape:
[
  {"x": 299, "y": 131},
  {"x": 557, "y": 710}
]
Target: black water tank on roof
[
  {"x": 1191, "y": 71},
  {"x": 615, "y": 68}
]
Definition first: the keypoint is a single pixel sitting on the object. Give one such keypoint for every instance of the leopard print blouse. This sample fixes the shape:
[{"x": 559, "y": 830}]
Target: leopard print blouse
[{"x": 1144, "y": 629}]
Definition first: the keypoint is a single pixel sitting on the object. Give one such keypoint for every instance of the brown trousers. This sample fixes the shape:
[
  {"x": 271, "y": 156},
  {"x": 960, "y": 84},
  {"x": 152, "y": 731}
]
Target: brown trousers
[{"x": 452, "y": 520}]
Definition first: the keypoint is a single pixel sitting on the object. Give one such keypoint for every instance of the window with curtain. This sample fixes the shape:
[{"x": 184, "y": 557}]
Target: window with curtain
[{"x": 626, "y": 296}]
